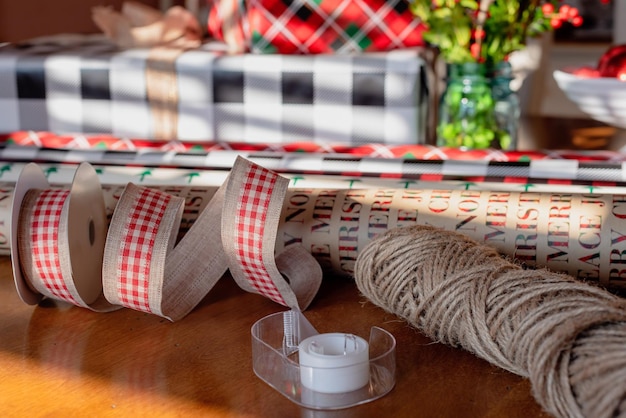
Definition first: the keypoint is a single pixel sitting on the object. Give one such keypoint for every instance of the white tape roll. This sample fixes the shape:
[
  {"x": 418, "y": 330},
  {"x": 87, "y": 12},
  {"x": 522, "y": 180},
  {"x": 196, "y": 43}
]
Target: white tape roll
[{"x": 334, "y": 363}]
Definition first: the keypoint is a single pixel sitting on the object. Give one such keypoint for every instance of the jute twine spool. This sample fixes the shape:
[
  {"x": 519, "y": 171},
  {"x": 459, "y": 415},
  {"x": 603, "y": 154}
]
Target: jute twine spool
[{"x": 566, "y": 336}]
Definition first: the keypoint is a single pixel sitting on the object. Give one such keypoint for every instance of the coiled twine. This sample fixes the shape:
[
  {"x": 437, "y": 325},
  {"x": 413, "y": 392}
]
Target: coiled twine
[{"x": 568, "y": 337}]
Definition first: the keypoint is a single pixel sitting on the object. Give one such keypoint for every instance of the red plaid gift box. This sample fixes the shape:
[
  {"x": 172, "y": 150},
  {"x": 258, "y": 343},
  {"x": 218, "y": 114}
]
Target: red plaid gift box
[
  {"x": 225, "y": 23},
  {"x": 314, "y": 27}
]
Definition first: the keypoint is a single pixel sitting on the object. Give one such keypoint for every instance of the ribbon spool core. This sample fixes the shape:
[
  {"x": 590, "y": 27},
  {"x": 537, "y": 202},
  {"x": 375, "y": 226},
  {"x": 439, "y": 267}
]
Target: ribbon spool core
[
  {"x": 275, "y": 360},
  {"x": 92, "y": 232}
]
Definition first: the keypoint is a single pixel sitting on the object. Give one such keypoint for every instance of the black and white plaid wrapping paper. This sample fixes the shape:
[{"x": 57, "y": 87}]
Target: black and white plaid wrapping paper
[{"x": 94, "y": 88}]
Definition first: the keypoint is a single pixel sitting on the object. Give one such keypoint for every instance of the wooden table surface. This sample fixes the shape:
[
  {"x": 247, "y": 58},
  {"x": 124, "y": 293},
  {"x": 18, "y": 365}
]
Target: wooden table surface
[
  {"x": 63, "y": 361},
  {"x": 58, "y": 360}
]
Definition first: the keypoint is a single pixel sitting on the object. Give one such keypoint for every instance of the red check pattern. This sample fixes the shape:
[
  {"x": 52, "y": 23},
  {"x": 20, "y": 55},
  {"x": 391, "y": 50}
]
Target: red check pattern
[
  {"x": 315, "y": 26},
  {"x": 225, "y": 22},
  {"x": 136, "y": 250},
  {"x": 327, "y": 26},
  {"x": 44, "y": 235},
  {"x": 252, "y": 207}
]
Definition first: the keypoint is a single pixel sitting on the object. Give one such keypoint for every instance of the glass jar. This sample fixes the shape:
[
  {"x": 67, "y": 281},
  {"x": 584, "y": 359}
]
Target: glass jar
[
  {"x": 478, "y": 110},
  {"x": 507, "y": 104}
]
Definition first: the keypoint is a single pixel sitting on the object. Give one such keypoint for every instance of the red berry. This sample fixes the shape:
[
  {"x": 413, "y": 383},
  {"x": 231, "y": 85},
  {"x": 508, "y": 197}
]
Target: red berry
[
  {"x": 572, "y": 12},
  {"x": 556, "y": 22},
  {"x": 479, "y": 33},
  {"x": 564, "y": 11},
  {"x": 475, "y": 50},
  {"x": 577, "y": 21},
  {"x": 547, "y": 9}
]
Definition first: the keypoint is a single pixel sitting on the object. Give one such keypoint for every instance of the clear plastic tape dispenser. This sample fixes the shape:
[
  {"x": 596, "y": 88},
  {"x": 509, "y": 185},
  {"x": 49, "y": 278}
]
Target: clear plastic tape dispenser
[{"x": 322, "y": 371}]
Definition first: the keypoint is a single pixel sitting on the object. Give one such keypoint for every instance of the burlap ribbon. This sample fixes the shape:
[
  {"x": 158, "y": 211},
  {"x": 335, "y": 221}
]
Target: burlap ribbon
[
  {"x": 168, "y": 35},
  {"x": 162, "y": 91},
  {"x": 143, "y": 267}
]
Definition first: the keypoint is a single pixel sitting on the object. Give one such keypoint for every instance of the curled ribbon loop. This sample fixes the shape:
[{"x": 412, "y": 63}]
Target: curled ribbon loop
[
  {"x": 249, "y": 234},
  {"x": 142, "y": 232},
  {"x": 142, "y": 266}
]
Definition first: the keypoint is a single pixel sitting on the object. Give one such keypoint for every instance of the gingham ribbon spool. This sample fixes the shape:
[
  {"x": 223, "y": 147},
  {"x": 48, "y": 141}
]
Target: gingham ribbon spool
[
  {"x": 144, "y": 269},
  {"x": 58, "y": 239}
]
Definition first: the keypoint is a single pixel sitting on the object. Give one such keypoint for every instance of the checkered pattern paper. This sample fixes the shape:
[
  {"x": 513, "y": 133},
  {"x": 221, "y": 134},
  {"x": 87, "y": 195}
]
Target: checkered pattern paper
[
  {"x": 226, "y": 22},
  {"x": 251, "y": 216},
  {"x": 44, "y": 233},
  {"x": 315, "y": 26},
  {"x": 325, "y": 26},
  {"x": 136, "y": 250},
  {"x": 95, "y": 89}
]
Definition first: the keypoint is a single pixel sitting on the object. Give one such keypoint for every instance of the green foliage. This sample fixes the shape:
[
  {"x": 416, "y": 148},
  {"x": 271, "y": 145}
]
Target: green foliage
[{"x": 454, "y": 26}]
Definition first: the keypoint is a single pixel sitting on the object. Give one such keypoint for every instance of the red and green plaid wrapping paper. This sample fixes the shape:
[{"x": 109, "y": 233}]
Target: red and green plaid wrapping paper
[
  {"x": 316, "y": 26},
  {"x": 107, "y": 142},
  {"x": 225, "y": 23},
  {"x": 416, "y": 162}
]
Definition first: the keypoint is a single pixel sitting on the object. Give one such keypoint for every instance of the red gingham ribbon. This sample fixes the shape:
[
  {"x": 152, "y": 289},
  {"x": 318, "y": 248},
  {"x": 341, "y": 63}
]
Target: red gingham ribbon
[
  {"x": 143, "y": 267},
  {"x": 44, "y": 233},
  {"x": 255, "y": 197},
  {"x": 251, "y": 217},
  {"x": 138, "y": 245},
  {"x": 144, "y": 270}
]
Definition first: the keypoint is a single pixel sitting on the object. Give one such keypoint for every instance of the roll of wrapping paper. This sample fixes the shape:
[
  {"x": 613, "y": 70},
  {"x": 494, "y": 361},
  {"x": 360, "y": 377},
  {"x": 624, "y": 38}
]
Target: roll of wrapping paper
[
  {"x": 581, "y": 234},
  {"x": 569, "y": 228},
  {"x": 409, "y": 167},
  {"x": 100, "y": 142}
]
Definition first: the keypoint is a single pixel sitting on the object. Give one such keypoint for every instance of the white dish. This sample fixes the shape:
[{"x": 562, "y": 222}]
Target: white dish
[{"x": 603, "y": 99}]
